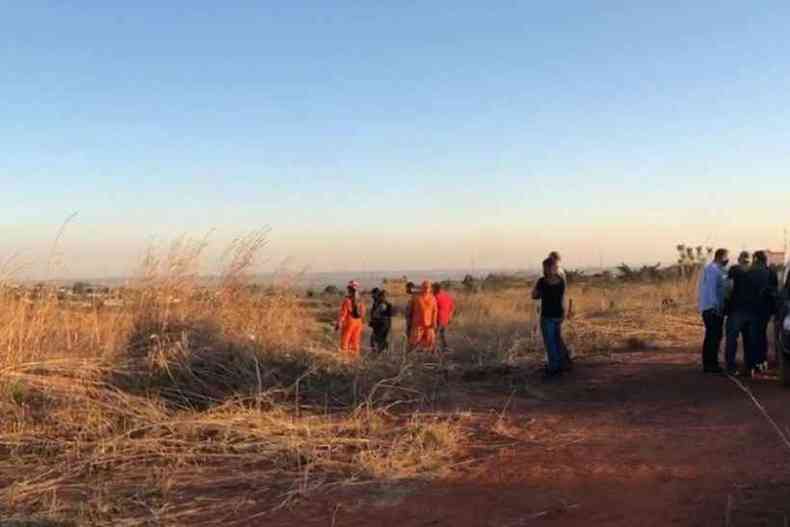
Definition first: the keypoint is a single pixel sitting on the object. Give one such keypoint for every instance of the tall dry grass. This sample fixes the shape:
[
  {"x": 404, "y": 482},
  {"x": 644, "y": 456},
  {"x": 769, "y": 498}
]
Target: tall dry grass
[
  {"x": 502, "y": 326},
  {"x": 196, "y": 404},
  {"x": 214, "y": 403}
]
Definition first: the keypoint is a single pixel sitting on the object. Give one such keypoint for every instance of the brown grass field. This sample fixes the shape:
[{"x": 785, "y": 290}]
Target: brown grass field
[{"x": 231, "y": 406}]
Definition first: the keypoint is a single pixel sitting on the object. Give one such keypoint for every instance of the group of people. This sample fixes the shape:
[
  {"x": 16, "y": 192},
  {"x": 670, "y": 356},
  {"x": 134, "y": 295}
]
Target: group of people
[
  {"x": 737, "y": 302},
  {"x": 744, "y": 295},
  {"x": 428, "y": 314},
  {"x": 430, "y": 311}
]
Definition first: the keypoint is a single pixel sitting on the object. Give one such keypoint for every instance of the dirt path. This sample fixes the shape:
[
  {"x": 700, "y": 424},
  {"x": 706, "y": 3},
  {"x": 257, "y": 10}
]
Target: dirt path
[{"x": 641, "y": 439}]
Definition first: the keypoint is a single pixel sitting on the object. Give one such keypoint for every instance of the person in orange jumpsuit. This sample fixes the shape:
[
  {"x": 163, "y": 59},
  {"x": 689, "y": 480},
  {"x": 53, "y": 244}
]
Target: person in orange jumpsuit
[
  {"x": 424, "y": 315},
  {"x": 352, "y": 313}
]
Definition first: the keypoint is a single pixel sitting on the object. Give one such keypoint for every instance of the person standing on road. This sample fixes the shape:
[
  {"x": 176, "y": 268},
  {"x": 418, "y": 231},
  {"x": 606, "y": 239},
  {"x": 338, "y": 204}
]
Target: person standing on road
[
  {"x": 550, "y": 290},
  {"x": 380, "y": 321},
  {"x": 352, "y": 312},
  {"x": 424, "y": 315},
  {"x": 446, "y": 306},
  {"x": 763, "y": 285},
  {"x": 741, "y": 317},
  {"x": 711, "y": 306}
]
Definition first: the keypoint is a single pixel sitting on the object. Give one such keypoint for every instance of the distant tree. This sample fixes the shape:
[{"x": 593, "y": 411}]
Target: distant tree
[
  {"x": 80, "y": 288},
  {"x": 331, "y": 290},
  {"x": 470, "y": 283},
  {"x": 626, "y": 272}
]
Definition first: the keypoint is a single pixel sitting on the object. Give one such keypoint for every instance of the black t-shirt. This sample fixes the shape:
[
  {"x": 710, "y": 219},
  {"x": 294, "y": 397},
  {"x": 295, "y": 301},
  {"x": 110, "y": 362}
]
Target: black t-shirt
[
  {"x": 753, "y": 291},
  {"x": 381, "y": 314},
  {"x": 551, "y": 298},
  {"x": 762, "y": 289},
  {"x": 740, "y": 289}
]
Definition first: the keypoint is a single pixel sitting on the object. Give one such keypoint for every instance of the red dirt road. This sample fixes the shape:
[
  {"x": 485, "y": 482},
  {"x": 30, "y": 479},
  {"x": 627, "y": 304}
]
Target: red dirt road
[{"x": 642, "y": 439}]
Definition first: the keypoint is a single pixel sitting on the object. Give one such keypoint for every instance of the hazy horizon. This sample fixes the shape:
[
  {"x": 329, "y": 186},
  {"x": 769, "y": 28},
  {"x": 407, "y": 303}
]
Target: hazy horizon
[{"x": 449, "y": 135}]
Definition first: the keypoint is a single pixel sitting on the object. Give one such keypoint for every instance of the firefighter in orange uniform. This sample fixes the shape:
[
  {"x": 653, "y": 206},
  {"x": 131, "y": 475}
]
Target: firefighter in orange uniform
[
  {"x": 350, "y": 322},
  {"x": 424, "y": 314}
]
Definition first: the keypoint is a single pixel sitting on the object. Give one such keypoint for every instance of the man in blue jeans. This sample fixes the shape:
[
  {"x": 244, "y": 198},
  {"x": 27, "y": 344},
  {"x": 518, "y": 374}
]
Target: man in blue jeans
[
  {"x": 550, "y": 290},
  {"x": 711, "y": 306}
]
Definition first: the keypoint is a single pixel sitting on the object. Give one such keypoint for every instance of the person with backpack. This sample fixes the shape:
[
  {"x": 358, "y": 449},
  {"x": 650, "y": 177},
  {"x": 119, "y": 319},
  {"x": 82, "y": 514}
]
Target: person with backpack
[
  {"x": 380, "y": 320},
  {"x": 349, "y": 323}
]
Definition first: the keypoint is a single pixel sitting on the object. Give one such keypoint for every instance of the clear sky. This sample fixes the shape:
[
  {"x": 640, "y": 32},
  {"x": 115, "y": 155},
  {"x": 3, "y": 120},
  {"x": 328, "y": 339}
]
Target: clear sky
[{"x": 390, "y": 135}]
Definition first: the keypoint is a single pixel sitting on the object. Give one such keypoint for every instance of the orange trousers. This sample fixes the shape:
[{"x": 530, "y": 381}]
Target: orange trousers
[
  {"x": 423, "y": 337},
  {"x": 351, "y": 336}
]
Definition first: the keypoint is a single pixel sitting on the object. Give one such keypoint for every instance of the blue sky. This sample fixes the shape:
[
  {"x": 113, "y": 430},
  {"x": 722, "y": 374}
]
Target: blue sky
[{"x": 403, "y": 135}]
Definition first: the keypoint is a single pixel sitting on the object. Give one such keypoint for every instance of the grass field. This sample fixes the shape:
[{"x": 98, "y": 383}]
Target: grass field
[{"x": 184, "y": 406}]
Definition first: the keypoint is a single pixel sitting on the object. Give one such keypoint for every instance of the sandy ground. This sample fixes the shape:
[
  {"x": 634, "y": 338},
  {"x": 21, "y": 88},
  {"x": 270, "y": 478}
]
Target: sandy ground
[{"x": 634, "y": 439}]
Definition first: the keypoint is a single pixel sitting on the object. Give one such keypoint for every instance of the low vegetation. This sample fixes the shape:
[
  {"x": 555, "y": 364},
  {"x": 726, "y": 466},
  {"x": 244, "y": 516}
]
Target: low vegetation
[{"x": 181, "y": 403}]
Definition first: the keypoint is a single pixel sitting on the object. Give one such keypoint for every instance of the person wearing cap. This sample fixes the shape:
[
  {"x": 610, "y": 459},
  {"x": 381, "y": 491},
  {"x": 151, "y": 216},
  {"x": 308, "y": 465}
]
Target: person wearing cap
[
  {"x": 380, "y": 320},
  {"x": 424, "y": 316},
  {"x": 352, "y": 312}
]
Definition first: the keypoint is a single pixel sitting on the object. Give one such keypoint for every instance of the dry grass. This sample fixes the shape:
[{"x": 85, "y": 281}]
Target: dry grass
[
  {"x": 502, "y": 326},
  {"x": 127, "y": 415},
  {"x": 189, "y": 404}
]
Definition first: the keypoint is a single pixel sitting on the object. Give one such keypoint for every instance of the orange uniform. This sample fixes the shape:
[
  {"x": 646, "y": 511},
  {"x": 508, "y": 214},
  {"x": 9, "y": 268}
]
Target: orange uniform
[
  {"x": 424, "y": 314},
  {"x": 350, "y": 324}
]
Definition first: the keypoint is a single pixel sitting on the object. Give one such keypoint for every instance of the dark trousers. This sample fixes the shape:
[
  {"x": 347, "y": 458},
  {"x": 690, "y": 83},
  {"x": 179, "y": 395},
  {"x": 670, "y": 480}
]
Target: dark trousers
[
  {"x": 379, "y": 338},
  {"x": 759, "y": 338},
  {"x": 714, "y": 329},
  {"x": 551, "y": 329},
  {"x": 740, "y": 324},
  {"x": 442, "y": 335}
]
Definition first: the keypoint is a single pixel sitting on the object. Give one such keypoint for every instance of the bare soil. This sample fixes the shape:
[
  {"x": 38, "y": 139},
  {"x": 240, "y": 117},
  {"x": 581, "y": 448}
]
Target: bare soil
[{"x": 639, "y": 438}]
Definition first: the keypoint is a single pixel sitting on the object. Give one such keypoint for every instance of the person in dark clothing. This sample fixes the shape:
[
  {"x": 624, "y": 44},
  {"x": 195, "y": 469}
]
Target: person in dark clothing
[
  {"x": 550, "y": 290},
  {"x": 380, "y": 321},
  {"x": 740, "y": 319},
  {"x": 761, "y": 302},
  {"x": 411, "y": 292},
  {"x": 744, "y": 262},
  {"x": 567, "y": 353}
]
